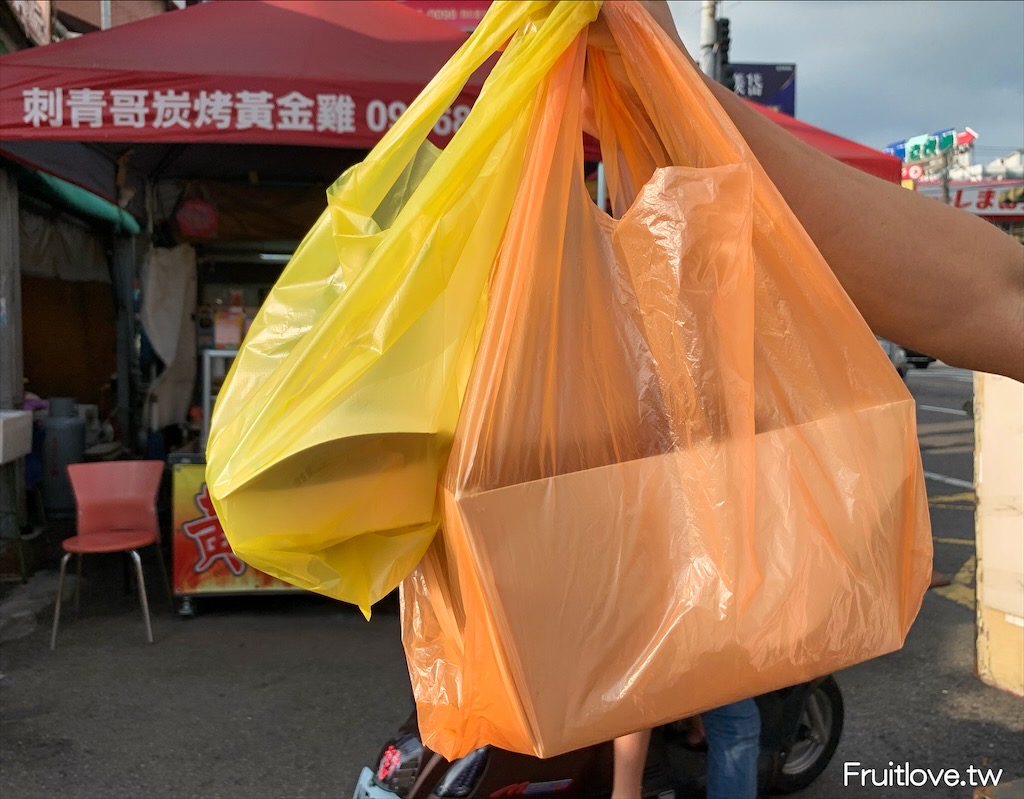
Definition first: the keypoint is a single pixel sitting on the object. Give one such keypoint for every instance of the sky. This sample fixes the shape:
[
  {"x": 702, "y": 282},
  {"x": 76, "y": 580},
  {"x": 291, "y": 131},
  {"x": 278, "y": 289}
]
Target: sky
[{"x": 878, "y": 72}]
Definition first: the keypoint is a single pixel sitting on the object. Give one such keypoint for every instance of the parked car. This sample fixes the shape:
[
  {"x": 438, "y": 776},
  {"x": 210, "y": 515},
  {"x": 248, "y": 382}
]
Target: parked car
[
  {"x": 918, "y": 359},
  {"x": 897, "y": 356}
]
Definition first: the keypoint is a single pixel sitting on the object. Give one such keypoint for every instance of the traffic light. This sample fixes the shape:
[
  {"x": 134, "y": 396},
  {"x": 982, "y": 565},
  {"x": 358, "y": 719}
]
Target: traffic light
[
  {"x": 726, "y": 73},
  {"x": 724, "y": 40}
]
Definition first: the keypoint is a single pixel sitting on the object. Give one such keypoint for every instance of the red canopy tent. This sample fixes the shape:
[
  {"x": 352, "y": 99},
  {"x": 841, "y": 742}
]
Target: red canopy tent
[{"x": 307, "y": 84}]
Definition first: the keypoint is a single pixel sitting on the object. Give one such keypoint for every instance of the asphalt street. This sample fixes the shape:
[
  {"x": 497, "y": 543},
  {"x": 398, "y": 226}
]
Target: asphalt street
[
  {"x": 290, "y": 695},
  {"x": 924, "y": 705}
]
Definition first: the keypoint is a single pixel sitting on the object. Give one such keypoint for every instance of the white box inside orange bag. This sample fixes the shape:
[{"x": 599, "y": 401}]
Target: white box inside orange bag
[{"x": 670, "y": 609}]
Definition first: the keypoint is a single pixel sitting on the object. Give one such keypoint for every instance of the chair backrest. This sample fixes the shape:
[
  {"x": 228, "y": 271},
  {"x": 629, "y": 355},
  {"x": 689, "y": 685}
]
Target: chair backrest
[{"x": 116, "y": 495}]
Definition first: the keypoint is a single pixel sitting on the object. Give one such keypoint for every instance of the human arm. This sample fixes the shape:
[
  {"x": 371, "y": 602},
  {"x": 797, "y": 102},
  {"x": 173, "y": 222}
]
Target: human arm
[{"x": 923, "y": 274}]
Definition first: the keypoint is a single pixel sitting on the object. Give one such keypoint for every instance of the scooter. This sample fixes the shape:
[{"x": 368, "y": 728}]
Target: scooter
[{"x": 800, "y": 730}]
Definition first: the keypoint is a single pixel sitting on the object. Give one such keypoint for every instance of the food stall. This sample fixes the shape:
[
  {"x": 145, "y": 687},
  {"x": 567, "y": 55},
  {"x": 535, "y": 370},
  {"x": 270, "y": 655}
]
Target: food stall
[{"x": 224, "y": 157}]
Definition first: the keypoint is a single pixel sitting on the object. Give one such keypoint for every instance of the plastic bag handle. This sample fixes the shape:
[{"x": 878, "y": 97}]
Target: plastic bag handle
[{"x": 652, "y": 131}]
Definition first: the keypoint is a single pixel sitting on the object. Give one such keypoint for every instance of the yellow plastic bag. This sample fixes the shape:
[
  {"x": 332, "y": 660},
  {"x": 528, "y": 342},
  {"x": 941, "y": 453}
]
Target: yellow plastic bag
[
  {"x": 330, "y": 434},
  {"x": 685, "y": 472}
]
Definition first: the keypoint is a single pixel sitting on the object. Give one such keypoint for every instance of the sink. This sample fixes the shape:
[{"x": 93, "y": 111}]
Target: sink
[{"x": 15, "y": 435}]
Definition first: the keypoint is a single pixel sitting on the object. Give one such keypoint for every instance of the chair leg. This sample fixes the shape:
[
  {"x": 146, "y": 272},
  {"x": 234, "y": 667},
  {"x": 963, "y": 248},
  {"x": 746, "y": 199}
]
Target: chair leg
[
  {"x": 21, "y": 556},
  {"x": 78, "y": 586},
  {"x": 60, "y": 590},
  {"x": 41, "y": 514},
  {"x": 163, "y": 573},
  {"x": 142, "y": 594}
]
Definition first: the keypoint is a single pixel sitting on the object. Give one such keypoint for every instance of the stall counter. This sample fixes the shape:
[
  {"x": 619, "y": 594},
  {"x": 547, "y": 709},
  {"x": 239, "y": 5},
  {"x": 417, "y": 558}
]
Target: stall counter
[{"x": 203, "y": 562}]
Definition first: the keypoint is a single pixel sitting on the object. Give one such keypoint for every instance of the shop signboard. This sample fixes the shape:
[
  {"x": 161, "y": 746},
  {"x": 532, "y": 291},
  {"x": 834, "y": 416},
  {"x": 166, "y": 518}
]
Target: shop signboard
[
  {"x": 203, "y": 561},
  {"x": 931, "y": 146},
  {"x": 999, "y": 199},
  {"x": 772, "y": 85},
  {"x": 208, "y": 75}
]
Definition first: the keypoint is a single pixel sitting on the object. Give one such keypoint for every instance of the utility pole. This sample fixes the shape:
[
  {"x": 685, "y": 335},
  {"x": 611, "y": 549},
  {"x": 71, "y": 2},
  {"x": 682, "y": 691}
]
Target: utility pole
[
  {"x": 947, "y": 164},
  {"x": 708, "y": 38}
]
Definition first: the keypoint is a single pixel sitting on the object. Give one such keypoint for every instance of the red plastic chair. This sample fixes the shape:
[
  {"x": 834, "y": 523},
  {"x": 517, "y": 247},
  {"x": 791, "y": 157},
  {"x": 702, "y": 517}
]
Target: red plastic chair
[{"x": 116, "y": 502}]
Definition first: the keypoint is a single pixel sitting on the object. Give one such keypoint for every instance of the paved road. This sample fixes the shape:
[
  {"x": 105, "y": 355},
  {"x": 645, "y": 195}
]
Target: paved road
[
  {"x": 923, "y": 704},
  {"x": 289, "y": 696}
]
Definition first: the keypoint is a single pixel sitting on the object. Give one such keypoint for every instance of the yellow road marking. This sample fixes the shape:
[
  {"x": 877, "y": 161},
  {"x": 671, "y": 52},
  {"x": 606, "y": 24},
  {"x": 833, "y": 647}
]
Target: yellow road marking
[
  {"x": 959, "y": 450},
  {"x": 966, "y": 496},
  {"x": 963, "y": 501},
  {"x": 959, "y": 590},
  {"x": 946, "y": 440},
  {"x": 962, "y": 541},
  {"x": 959, "y": 426}
]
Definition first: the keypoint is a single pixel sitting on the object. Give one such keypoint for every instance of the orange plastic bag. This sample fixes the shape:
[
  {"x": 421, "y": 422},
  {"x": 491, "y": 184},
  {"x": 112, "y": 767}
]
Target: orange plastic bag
[{"x": 684, "y": 471}]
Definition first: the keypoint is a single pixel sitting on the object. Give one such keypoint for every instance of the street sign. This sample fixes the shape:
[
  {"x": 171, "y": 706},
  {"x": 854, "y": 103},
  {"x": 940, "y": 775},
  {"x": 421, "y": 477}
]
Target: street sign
[{"x": 773, "y": 85}]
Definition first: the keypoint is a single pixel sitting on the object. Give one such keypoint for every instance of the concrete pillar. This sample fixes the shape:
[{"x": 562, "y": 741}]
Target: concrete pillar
[
  {"x": 123, "y": 275},
  {"x": 12, "y": 383},
  {"x": 999, "y": 523}
]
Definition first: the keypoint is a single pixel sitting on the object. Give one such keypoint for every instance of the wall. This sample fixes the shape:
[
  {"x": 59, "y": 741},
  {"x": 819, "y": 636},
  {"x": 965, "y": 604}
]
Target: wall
[
  {"x": 70, "y": 339},
  {"x": 68, "y": 312},
  {"x": 85, "y": 14}
]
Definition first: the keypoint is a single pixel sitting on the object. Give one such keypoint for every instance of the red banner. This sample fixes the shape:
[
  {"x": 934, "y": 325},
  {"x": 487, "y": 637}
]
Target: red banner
[
  {"x": 105, "y": 107},
  {"x": 271, "y": 72},
  {"x": 464, "y": 14}
]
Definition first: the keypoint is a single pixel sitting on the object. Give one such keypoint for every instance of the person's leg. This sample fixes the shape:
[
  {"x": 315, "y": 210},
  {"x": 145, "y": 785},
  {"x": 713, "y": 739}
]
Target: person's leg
[
  {"x": 733, "y": 734},
  {"x": 630, "y": 756}
]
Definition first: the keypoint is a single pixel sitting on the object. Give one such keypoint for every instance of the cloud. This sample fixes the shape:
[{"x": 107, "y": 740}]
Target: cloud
[{"x": 878, "y": 72}]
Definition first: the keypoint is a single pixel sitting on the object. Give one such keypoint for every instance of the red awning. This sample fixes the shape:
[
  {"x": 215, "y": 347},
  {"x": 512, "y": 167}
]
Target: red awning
[{"x": 874, "y": 162}]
